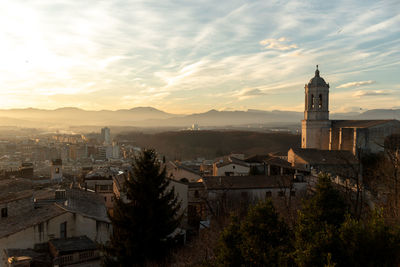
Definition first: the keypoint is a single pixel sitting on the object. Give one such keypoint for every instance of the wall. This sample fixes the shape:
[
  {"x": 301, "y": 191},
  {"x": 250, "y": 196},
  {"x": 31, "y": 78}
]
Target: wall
[
  {"x": 77, "y": 225},
  {"x": 315, "y": 134},
  {"x": 179, "y": 173},
  {"x": 235, "y": 169}
]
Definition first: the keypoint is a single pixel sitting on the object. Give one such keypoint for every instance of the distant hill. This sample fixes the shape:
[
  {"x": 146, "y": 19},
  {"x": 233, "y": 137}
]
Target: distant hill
[
  {"x": 151, "y": 117},
  {"x": 183, "y": 145}
]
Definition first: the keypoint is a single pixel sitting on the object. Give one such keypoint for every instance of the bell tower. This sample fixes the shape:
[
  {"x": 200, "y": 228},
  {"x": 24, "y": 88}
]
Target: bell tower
[{"x": 316, "y": 123}]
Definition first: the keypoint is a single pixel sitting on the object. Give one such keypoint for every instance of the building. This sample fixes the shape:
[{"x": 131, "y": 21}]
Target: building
[
  {"x": 32, "y": 218},
  {"x": 336, "y": 162},
  {"x": 56, "y": 170},
  {"x": 106, "y": 136},
  {"x": 230, "y": 165},
  {"x": 318, "y": 132},
  {"x": 227, "y": 193},
  {"x": 101, "y": 181},
  {"x": 178, "y": 171}
]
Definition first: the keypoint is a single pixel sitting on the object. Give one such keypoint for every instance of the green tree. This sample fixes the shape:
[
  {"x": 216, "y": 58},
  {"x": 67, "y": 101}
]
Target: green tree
[
  {"x": 316, "y": 238},
  {"x": 369, "y": 243},
  {"x": 142, "y": 226},
  {"x": 261, "y": 239}
]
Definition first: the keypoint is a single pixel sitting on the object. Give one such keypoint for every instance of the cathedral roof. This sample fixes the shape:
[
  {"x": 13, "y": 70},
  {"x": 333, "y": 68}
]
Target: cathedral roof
[
  {"x": 317, "y": 81},
  {"x": 358, "y": 123}
]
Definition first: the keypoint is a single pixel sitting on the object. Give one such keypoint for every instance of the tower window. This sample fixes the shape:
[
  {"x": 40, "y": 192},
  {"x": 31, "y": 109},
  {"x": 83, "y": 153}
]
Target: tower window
[
  {"x": 312, "y": 101},
  {"x": 320, "y": 101},
  {"x": 4, "y": 213}
]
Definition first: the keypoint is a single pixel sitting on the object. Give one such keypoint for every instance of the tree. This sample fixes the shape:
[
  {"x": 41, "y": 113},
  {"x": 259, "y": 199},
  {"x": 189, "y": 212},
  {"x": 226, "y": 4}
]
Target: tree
[
  {"x": 316, "y": 238},
  {"x": 369, "y": 242},
  {"x": 143, "y": 226},
  {"x": 261, "y": 239}
]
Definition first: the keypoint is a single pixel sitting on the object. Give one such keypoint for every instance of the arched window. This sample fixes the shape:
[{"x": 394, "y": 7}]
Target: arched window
[
  {"x": 320, "y": 101},
  {"x": 312, "y": 101}
]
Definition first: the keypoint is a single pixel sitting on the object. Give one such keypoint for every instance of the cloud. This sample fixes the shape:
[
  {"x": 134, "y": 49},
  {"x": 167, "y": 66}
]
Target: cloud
[
  {"x": 278, "y": 44},
  {"x": 248, "y": 93},
  {"x": 355, "y": 84},
  {"x": 371, "y": 93}
]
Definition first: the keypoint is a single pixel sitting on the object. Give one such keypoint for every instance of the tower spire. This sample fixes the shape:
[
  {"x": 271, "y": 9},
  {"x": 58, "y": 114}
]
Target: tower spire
[{"x": 317, "y": 72}]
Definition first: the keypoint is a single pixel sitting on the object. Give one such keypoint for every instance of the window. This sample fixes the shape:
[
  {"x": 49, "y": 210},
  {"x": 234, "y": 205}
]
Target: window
[
  {"x": 105, "y": 199},
  {"x": 40, "y": 228},
  {"x": 63, "y": 230},
  {"x": 320, "y": 101},
  {"x": 4, "y": 213},
  {"x": 281, "y": 193},
  {"x": 196, "y": 194},
  {"x": 312, "y": 101},
  {"x": 292, "y": 193},
  {"x": 57, "y": 170},
  {"x": 268, "y": 194},
  {"x": 233, "y": 167}
]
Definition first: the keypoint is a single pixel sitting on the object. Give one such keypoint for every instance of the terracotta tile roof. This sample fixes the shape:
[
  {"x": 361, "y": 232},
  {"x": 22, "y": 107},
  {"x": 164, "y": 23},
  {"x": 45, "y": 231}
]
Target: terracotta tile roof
[{"x": 246, "y": 182}]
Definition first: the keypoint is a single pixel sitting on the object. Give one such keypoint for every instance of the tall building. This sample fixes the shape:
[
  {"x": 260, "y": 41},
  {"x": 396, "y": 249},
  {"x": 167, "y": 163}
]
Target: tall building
[
  {"x": 106, "y": 136},
  {"x": 316, "y": 123},
  {"x": 318, "y": 132}
]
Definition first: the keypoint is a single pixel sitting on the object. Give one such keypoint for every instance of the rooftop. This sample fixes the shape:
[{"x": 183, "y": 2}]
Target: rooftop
[
  {"x": 358, "y": 123},
  {"x": 27, "y": 219},
  {"x": 328, "y": 157},
  {"x": 72, "y": 244},
  {"x": 86, "y": 203},
  {"x": 246, "y": 182}
]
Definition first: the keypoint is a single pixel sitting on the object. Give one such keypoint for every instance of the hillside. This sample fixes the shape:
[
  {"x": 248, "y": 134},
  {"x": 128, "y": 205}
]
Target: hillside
[{"x": 185, "y": 145}]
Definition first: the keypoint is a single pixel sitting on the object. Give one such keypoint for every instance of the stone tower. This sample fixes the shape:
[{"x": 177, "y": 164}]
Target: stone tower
[{"x": 316, "y": 124}]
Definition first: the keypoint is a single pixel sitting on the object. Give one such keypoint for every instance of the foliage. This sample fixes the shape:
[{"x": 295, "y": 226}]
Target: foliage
[
  {"x": 261, "y": 239},
  {"x": 325, "y": 235},
  {"x": 318, "y": 221},
  {"x": 370, "y": 242},
  {"x": 142, "y": 226}
]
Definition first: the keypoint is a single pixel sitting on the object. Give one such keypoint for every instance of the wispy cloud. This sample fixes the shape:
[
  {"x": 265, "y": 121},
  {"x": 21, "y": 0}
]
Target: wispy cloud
[
  {"x": 278, "y": 44},
  {"x": 355, "y": 84},
  {"x": 361, "y": 93},
  {"x": 247, "y": 93},
  {"x": 194, "y": 56}
]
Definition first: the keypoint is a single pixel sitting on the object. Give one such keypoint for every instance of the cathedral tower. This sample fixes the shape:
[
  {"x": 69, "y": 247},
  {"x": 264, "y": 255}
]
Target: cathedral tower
[{"x": 315, "y": 126}]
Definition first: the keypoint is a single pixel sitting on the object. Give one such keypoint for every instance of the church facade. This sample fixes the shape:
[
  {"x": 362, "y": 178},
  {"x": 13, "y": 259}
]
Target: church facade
[{"x": 318, "y": 132}]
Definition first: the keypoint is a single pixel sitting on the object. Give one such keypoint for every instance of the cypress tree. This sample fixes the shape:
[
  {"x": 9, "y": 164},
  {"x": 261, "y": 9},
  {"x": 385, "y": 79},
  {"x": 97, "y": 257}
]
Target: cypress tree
[{"x": 143, "y": 225}]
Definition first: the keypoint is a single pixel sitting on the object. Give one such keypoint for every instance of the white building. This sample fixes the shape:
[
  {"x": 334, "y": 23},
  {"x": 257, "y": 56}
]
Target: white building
[
  {"x": 106, "y": 136},
  {"x": 230, "y": 166},
  {"x": 26, "y": 222}
]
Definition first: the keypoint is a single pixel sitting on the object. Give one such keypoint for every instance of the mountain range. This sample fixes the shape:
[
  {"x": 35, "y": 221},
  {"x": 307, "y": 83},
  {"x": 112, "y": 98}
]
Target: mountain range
[{"x": 151, "y": 117}]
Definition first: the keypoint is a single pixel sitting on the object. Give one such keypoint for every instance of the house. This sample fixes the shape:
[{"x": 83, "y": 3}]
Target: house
[
  {"x": 230, "y": 166},
  {"x": 74, "y": 251},
  {"x": 226, "y": 193},
  {"x": 101, "y": 182},
  {"x": 177, "y": 171},
  {"x": 28, "y": 223},
  {"x": 336, "y": 162}
]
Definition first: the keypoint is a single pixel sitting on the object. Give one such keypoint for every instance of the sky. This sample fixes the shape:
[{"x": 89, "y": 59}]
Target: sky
[{"x": 193, "y": 56}]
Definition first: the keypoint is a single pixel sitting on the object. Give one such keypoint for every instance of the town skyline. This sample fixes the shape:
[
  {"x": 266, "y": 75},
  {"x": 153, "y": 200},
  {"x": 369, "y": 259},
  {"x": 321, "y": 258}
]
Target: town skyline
[{"x": 186, "y": 58}]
